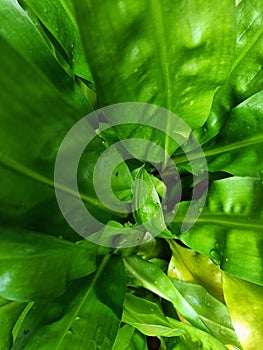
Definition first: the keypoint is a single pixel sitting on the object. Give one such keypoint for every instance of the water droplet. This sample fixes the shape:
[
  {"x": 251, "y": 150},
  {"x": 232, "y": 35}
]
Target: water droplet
[
  {"x": 215, "y": 255},
  {"x": 77, "y": 318}
]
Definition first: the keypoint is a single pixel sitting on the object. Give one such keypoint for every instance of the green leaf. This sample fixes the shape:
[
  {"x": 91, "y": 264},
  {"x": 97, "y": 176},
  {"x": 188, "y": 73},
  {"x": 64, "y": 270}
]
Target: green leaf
[
  {"x": 229, "y": 227},
  {"x": 214, "y": 314},
  {"x": 174, "y": 56},
  {"x": 155, "y": 280},
  {"x": 86, "y": 317},
  {"x": 147, "y": 208},
  {"x": 123, "y": 338},
  {"x": 9, "y": 313},
  {"x": 98, "y": 167},
  {"x": 147, "y": 317},
  {"x": 24, "y": 36},
  {"x": 245, "y": 76},
  {"x": 245, "y": 302},
  {"x": 59, "y": 19},
  {"x": 31, "y": 131},
  {"x": 28, "y": 259},
  {"x": 238, "y": 148},
  {"x": 138, "y": 341},
  {"x": 189, "y": 266}
]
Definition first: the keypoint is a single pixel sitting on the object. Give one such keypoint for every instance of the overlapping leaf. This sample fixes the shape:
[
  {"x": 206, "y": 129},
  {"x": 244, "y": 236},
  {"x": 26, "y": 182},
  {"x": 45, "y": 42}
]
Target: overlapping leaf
[
  {"x": 229, "y": 229},
  {"x": 153, "y": 278},
  {"x": 24, "y": 35},
  {"x": 27, "y": 259},
  {"x": 9, "y": 313},
  {"x": 59, "y": 19},
  {"x": 86, "y": 316},
  {"x": 150, "y": 320}
]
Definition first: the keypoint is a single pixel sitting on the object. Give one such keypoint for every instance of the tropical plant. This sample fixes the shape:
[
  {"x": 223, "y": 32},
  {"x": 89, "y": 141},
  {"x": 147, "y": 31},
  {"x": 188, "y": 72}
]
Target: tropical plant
[{"x": 199, "y": 288}]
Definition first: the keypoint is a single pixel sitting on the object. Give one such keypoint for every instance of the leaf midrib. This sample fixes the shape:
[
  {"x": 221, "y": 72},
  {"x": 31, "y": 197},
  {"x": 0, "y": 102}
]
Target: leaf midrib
[
  {"x": 160, "y": 39},
  {"x": 33, "y": 175},
  {"x": 85, "y": 297},
  {"x": 218, "y": 150},
  {"x": 228, "y": 221},
  {"x": 249, "y": 45}
]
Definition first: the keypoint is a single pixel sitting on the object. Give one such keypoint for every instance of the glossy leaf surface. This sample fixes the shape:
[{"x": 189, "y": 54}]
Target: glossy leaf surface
[
  {"x": 59, "y": 19},
  {"x": 245, "y": 75},
  {"x": 189, "y": 266},
  {"x": 86, "y": 316},
  {"x": 179, "y": 71},
  {"x": 9, "y": 313},
  {"x": 147, "y": 206},
  {"x": 30, "y": 134},
  {"x": 245, "y": 301},
  {"x": 28, "y": 259},
  {"x": 24, "y": 35},
  {"x": 229, "y": 229},
  {"x": 155, "y": 280},
  {"x": 214, "y": 314},
  {"x": 150, "y": 320},
  {"x": 238, "y": 148}
]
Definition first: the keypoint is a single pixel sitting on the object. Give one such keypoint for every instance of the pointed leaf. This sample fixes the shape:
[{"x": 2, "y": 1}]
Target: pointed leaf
[
  {"x": 214, "y": 314},
  {"x": 155, "y": 280},
  {"x": 140, "y": 313},
  {"x": 9, "y": 313},
  {"x": 18, "y": 29},
  {"x": 189, "y": 266},
  {"x": 59, "y": 18},
  {"x": 87, "y": 316}
]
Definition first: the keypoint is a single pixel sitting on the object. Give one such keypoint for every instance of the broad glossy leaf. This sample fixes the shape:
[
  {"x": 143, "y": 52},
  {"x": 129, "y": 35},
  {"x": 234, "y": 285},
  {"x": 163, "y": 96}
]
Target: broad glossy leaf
[
  {"x": 174, "y": 55},
  {"x": 147, "y": 317},
  {"x": 9, "y": 313},
  {"x": 238, "y": 148},
  {"x": 87, "y": 316},
  {"x": 59, "y": 19},
  {"x": 155, "y": 280},
  {"x": 31, "y": 130},
  {"x": 245, "y": 302},
  {"x": 245, "y": 75},
  {"x": 189, "y": 266},
  {"x": 24, "y": 36},
  {"x": 214, "y": 314},
  {"x": 229, "y": 229},
  {"x": 35, "y": 266}
]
